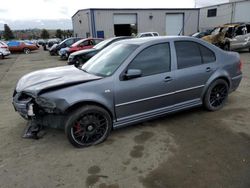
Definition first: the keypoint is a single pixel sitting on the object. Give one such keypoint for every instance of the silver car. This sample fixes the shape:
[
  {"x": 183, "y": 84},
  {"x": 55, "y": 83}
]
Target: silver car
[{"x": 126, "y": 83}]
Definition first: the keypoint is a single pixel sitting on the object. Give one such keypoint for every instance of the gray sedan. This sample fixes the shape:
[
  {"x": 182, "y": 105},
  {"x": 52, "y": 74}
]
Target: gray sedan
[{"x": 128, "y": 82}]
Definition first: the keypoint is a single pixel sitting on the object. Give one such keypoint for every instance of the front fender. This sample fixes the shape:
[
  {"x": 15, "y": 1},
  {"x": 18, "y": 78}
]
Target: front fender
[{"x": 67, "y": 97}]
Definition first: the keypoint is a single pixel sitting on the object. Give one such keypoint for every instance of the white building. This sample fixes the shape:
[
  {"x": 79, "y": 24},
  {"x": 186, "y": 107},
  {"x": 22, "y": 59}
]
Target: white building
[
  {"x": 231, "y": 12},
  {"x": 124, "y": 22}
]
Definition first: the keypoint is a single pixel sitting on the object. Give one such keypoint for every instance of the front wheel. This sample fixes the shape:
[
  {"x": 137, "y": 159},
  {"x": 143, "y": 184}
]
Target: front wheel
[
  {"x": 216, "y": 95},
  {"x": 26, "y": 50},
  {"x": 78, "y": 62},
  {"x": 89, "y": 125}
]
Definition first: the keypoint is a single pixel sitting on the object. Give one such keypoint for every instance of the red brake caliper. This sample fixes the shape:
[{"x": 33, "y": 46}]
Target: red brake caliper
[{"x": 78, "y": 127}]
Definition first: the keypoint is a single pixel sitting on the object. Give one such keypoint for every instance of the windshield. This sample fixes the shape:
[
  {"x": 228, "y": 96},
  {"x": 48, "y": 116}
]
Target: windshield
[
  {"x": 63, "y": 41},
  {"x": 102, "y": 44},
  {"x": 216, "y": 31},
  {"x": 108, "y": 60}
]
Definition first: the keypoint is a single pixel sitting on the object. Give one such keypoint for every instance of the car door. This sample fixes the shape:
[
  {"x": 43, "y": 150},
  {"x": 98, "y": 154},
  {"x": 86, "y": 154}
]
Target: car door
[
  {"x": 85, "y": 45},
  {"x": 240, "y": 39},
  {"x": 150, "y": 92},
  {"x": 195, "y": 64}
]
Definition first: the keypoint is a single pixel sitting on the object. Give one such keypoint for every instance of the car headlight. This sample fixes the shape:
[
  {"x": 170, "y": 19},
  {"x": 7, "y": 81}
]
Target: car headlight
[{"x": 46, "y": 103}]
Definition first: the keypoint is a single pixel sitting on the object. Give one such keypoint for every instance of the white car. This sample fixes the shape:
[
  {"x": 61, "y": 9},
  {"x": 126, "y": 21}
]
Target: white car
[
  {"x": 4, "y": 50},
  {"x": 148, "y": 34}
]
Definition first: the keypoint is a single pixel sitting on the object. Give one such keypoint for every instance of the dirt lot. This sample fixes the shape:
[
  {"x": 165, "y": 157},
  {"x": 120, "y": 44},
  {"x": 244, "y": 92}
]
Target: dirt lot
[{"x": 194, "y": 148}]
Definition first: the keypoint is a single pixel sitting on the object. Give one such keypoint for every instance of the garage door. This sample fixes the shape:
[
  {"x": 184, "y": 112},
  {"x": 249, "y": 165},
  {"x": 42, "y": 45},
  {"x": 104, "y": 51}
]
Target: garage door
[
  {"x": 174, "y": 24},
  {"x": 242, "y": 12},
  {"x": 124, "y": 18}
]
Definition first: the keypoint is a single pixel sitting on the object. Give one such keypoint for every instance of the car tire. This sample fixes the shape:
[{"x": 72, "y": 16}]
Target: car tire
[
  {"x": 216, "y": 95},
  {"x": 78, "y": 62},
  {"x": 2, "y": 56},
  {"x": 87, "y": 126},
  {"x": 26, "y": 50}
]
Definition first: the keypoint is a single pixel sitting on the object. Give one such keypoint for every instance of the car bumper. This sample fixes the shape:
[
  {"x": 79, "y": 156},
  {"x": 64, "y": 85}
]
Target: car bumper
[
  {"x": 6, "y": 53},
  {"x": 236, "y": 82},
  {"x": 21, "y": 107}
]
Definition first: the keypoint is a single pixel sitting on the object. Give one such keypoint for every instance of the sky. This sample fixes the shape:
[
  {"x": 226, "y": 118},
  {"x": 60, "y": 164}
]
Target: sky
[{"x": 41, "y": 12}]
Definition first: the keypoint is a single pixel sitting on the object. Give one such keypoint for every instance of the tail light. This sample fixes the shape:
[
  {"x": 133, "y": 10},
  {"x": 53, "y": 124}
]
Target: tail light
[
  {"x": 240, "y": 65},
  {"x": 4, "y": 47}
]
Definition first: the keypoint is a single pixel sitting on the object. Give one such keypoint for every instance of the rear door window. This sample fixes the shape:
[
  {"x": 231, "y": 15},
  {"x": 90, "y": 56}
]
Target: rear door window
[
  {"x": 153, "y": 60},
  {"x": 208, "y": 56},
  {"x": 191, "y": 54}
]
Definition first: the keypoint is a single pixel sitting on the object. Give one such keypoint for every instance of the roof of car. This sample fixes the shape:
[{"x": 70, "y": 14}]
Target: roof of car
[{"x": 141, "y": 41}]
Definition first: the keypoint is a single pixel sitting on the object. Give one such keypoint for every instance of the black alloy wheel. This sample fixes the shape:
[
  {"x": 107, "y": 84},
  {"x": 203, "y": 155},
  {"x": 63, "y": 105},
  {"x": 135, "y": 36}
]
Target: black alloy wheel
[
  {"x": 88, "y": 126},
  {"x": 216, "y": 95}
]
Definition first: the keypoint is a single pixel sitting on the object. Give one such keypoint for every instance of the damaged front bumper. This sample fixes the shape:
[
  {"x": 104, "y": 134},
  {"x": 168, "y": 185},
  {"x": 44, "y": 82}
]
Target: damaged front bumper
[
  {"x": 24, "y": 106},
  {"x": 29, "y": 108}
]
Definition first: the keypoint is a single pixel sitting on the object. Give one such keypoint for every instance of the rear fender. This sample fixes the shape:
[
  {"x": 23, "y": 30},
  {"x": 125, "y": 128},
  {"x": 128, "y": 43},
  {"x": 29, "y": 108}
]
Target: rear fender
[{"x": 219, "y": 74}]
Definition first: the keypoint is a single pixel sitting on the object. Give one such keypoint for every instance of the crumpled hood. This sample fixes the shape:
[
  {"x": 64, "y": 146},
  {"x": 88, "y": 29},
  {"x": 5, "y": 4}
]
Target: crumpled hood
[{"x": 37, "y": 81}]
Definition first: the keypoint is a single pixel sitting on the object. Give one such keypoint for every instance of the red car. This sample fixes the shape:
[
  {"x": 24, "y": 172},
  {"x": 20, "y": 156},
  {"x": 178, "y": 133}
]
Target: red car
[
  {"x": 20, "y": 46},
  {"x": 84, "y": 44}
]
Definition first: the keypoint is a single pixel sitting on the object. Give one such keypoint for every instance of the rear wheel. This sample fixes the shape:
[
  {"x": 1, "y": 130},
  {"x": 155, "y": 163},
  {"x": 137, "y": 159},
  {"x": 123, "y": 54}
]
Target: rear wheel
[
  {"x": 2, "y": 56},
  {"x": 89, "y": 125},
  {"x": 216, "y": 95},
  {"x": 26, "y": 50}
]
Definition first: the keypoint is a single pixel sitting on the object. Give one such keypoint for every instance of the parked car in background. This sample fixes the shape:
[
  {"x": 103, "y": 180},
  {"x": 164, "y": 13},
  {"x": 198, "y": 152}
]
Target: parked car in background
[
  {"x": 41, "y": 42},
  {"x": 79, "y": 45},
  {"x": 128, "y": 82},
  {"x": 148, "y": 34},
  {"x": 54, "y": 50},
  {"x": 34, "y": 42},
  {"x": 4, "y": 50},
  {"x": 84, "y": 44},
  {"x": 201, "y": 34},
  {"x": 53, "y": 41},
  {"x": 80, "y": 57},
  {"x": 233, "y": 36},
  {"x": 21, "y": 46},
  {"x": 64, "y": 53}
]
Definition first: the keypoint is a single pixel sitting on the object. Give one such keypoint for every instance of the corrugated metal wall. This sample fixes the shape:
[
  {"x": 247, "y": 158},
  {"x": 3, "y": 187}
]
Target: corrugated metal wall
[
  {"x": 226, "y": 13},
  {"x": 104, "y": 20},
  {"x": 81, "y": 22}
]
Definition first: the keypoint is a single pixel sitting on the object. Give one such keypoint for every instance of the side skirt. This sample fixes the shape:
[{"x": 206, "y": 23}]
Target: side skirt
[{"x": 155, "y": 113}]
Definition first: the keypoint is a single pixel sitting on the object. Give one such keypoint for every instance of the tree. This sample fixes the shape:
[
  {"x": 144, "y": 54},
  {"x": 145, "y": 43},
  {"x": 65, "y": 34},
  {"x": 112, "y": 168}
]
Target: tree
[
  {"x": 59, "y": 33},
  {"x": 44, "y": 34},
  {"x": 7, "y": 34}
]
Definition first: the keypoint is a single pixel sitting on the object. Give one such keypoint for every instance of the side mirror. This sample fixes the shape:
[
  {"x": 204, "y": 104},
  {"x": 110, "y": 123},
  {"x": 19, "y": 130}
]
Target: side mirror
[{"x": 132, "y": 73}]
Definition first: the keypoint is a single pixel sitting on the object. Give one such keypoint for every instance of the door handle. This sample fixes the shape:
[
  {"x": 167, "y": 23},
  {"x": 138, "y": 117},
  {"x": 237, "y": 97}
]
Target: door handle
[
  {"x": 208, "y": 69},
  {"x": 168, "y": 79}
]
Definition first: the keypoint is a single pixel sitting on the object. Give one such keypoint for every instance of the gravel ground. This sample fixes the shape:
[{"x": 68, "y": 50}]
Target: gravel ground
[{"x": 193, "y": 148}]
